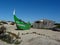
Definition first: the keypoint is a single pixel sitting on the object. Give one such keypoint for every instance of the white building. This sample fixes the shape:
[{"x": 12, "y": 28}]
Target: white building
[{"x": 43, "y": 24}]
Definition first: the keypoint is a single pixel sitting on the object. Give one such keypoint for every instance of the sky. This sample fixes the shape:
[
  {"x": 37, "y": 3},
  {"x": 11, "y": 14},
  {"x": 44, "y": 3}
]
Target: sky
[{"x": 30, "y": 10}]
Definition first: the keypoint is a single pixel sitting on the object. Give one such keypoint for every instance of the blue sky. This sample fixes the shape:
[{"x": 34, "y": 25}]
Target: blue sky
[{"x": 30, "y": 10}]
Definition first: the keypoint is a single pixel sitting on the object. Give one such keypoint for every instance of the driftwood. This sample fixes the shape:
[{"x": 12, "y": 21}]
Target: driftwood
[
  {"x": 13, "y": 34},
  {"x": 2, "y": 29},
  {"x": 13, "y": 37}
]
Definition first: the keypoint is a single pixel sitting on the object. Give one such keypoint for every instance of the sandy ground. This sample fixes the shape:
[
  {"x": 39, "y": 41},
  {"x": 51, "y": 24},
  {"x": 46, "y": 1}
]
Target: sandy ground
[{"x": 35, "y": 36}]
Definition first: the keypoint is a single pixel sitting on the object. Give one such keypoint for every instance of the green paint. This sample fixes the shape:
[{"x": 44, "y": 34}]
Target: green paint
[{"x": 21, "y": 24}]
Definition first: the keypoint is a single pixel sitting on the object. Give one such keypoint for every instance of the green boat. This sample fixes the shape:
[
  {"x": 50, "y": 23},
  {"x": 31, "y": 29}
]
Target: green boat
[{"x": 21, "y": 25}]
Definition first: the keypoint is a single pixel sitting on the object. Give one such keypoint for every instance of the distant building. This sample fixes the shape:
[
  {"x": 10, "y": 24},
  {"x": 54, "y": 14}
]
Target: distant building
[{"x": 43, "y": 24}]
